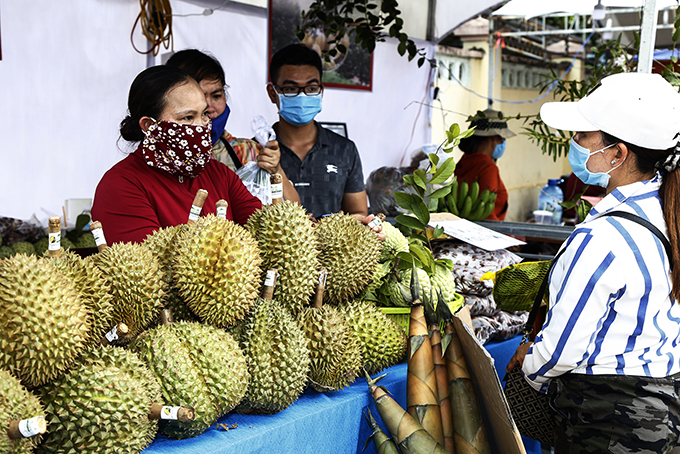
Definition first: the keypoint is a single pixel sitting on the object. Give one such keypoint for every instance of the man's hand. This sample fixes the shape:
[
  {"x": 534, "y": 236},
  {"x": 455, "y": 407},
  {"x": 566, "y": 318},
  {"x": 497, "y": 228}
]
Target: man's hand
[
  {"x": 518, "y": 358},
  {"x": 376, "y": 226},
  {"x": 269, "y": 157}
]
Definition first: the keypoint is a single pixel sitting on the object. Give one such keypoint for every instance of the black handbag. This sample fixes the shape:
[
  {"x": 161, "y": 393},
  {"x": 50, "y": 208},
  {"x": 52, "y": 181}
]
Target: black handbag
[{"x": 531, "y": 409}]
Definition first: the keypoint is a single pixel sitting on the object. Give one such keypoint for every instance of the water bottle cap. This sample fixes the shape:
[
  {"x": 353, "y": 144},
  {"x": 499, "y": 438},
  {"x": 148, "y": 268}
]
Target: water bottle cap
[{"x": 555, "y": 182}]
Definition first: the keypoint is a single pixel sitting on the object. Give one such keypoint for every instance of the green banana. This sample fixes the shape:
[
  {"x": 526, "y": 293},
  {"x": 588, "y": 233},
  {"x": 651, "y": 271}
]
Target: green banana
[
  {"x": 467, "y": 205},
  {"x": 441, "y": 205},
  {"x": 488, "y": 209},
  {"x": 454, "y": 188},
  {"x": 451, "y": 202},
  {"x": 474, "y": 191},
  {"x": 462, "y": 194},
  {"x": 492, "y": 199},
  {"x": 485, "y": 195},
  {"x": 476, "y": 214}
]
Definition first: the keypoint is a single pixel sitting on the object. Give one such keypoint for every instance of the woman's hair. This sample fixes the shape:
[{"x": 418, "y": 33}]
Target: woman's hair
[
  {"x": 147, "y": 97},
  {"x": 199, "y": 65},
  {"x": 646, "y": 161},
  {"x": 470, "y": 145}
]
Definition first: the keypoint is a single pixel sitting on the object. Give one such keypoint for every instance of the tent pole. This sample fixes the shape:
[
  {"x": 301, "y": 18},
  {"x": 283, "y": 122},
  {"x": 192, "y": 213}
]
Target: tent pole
[
  {"x": 491, "y": 59},
  {"x": 647, "y": 36}
]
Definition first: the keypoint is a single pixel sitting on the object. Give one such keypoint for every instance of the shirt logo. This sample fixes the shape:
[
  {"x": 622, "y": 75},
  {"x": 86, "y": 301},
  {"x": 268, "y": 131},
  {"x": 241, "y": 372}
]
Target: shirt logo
[{"x": 330, "y": 168}]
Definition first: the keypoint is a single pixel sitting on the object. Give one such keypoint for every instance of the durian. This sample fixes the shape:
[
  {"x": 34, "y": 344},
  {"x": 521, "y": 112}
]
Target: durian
[
  {"x": 134, "y": 274},
  {"x": 381, "y": 274},
  {"x": 94, "y": 290},
  {"x": 383, "y": 342},
  {"x": 334, "y": 351},
  {"x": 101, "y": 405},
  {"x": 395, "y": 242},
  {"x": 349, "y": 251},
  {"x": 45, "y": 323},
  {"x": 162, "y": 242},
  {"x": 198, "y": 366},
  {"x": 278, "y": 358},
  {"x": 216, "y": 270},
  {"x": 16, "y": 403},
  {"x": 285, "y": 236}
]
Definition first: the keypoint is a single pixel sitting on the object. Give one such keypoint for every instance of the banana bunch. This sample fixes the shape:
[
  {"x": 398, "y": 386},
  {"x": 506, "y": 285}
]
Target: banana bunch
[{"x": 467, "y": 202}]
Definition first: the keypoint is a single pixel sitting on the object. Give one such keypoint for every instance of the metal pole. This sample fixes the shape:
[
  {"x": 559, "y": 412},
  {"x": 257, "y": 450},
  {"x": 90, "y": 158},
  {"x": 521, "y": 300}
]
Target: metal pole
[
  {"x": 491, "y": 59},
  {"x": 647, "y": 36}
]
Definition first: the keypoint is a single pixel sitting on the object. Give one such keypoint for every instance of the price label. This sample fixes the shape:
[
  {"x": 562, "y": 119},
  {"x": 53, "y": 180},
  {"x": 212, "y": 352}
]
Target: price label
[
  {"x": 98, "y": 235},
  {"x": 277, "y": 191},
  {"x": 54, "y": 241},
  {"x": 194, "y": 213},
  {"x": 30, "y": 427},
  {"x": 222, "y": 212},
  {"x": 112, "y": 335},
  {"x": 269, "y": 280},
  {"x": 169, "y": 413}
]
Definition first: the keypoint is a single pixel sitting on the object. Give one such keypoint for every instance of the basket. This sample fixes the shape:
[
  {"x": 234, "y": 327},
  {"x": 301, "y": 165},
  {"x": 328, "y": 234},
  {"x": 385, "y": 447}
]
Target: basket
[{"x": 402, "y": 315}]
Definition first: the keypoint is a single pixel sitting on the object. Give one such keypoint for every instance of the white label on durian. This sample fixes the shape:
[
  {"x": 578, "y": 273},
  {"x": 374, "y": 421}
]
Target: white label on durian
[
  {"x": 169, "y": 412},
  {"x": 30, "y": 427},
  {"x": 269, "y": 280},
  {"x": 222, "y": 212},
  {"x": 112, "y": 335},
  {"x": 322, "y": 278},
  {"x": 54, "y": 241},
  {"x": 375, "y": 222},
  {"x": 277, "y": 191},
  {"x": 98, "y": 235},
  {"x": 194, "y": 213}
]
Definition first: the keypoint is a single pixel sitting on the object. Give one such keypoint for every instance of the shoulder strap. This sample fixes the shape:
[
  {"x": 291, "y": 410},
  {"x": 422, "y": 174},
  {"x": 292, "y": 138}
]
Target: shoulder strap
[
  {"x": 528, "y": 326},
  {"x": 645, "y": 223},
  {"x": 232, "y": 153}
]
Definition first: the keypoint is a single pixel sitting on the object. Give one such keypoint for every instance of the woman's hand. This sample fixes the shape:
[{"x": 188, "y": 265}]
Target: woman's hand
[
  {"x": 269, "y": 157},
  {"x": 518, "y": 358}
]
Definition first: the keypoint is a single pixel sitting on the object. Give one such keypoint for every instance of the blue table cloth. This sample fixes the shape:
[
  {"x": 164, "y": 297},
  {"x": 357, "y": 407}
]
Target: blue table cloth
[{"x": 317, "y": 423}]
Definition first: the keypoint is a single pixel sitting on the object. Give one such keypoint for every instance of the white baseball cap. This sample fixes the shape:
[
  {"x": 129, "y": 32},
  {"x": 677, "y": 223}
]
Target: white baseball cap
[{"x": 638, "y": 108}]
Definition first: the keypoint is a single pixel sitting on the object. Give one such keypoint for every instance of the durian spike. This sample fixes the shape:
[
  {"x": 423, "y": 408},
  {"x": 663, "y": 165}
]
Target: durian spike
[
  {"x": 221, "y": 208},
  {"x": 183, "y": 414},
  {"x": 276, "y": 181},
  {"x": 54, "y": 247},
  {"x": 166, "y": 317},
  {"x": 320, "y": 287},
  {"x": 118, "y": 331},
  {"x": 26, "y": 428},
  {"x": 98, "y": 234},
  {"x": 269, "y": 284},
  {"x": 197, "y": 205}
]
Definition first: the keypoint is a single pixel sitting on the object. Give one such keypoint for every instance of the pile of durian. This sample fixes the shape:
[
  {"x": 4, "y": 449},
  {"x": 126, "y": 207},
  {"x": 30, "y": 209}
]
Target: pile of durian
[{"x": 199, "y": 320}]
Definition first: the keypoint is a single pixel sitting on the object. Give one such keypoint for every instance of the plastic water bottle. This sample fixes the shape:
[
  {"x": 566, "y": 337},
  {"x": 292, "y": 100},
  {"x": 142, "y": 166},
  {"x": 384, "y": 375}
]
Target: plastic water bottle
[{"x": 549, "y": 199}]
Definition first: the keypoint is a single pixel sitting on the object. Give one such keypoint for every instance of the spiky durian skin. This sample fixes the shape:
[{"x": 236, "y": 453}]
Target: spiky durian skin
[
  {"x": 17, "y": 403},
  {"x": 216, "y": 270},
  {"x": 135, "y": 277},
  {"x": 278, "y": 358},
  {"x": 442, "y": 279},
  {"x": 198, "y": 366},
  {"x": 285, "y": 236},
  {"x": 334, "y": 352},
  {"x": 395, "y": 242},
  {"x": 383, "y": 342},
  {"x": 45, "y": 324},
  {"x": 101, "y": 405},
  {"x": 399, "y": 286},
  {"x": 381, "y": 274},
  {"x": 163, "y": 242},
  {"x": 349, "y": 251},
  {"x": 94, "y": 290}
]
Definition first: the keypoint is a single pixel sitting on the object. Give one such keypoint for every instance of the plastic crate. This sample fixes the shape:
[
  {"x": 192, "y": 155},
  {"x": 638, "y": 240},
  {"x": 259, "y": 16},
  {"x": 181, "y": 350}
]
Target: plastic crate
[{"x": 402, "y": 315}]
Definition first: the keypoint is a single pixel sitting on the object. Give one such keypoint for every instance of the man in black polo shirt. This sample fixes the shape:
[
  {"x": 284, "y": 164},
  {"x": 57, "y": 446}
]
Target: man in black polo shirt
[{"x": 324, "y": 167}]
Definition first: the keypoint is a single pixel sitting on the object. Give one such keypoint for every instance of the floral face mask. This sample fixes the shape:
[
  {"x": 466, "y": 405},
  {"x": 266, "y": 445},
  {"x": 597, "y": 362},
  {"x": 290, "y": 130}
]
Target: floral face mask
[{"x": 178, "y": 149}]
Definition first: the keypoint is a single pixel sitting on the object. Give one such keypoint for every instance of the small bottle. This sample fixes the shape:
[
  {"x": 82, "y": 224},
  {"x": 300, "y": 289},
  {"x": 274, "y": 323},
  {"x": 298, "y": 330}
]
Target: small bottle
[
  {"x": 269, "y": 284},
  {"x": 221, "y": 208},
  {"x": 26, "y": 428},
  {"x": 276, "y": 182},
  {"x": 98, "y": 234},
  {"x": 54, "y": 238},
  {"x": 549, "y": 199},
  {"x": 197, "y": 205}
]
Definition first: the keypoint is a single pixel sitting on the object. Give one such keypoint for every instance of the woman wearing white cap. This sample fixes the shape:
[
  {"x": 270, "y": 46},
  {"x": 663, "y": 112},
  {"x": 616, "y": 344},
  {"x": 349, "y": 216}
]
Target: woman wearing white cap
[
  {"x": 482, "y": 150},
  {"x": 608, "y": 354}
]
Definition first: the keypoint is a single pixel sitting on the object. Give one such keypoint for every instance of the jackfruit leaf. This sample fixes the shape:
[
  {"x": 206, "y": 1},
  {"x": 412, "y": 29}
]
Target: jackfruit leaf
[
  {"x": 403, "y": 199},
  {"x": 441, "y": 192},
  {"x": 420, "y": 178},
  {"x": 434, "y": 159},
  {"x": 423, "y": 255},
  {"x": 419, "y": 208},
  {"x": 444, "y": 171},
  {"x": 410, "y": 221},
  {"x": 438, "y": 231}
]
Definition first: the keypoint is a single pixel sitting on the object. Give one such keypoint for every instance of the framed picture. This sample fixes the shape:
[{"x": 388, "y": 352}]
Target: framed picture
[
  {"x": 353, "y": 69},
  {"x": 338, "y": 128}
]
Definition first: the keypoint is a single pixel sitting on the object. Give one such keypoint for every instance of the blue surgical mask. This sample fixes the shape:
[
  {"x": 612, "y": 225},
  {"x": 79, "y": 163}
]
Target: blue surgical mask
[
  {"x": 498, "y": 150},
  {"x": 218, "y": 125},
  {"x": 299, "y": 110},
  {"x": 578, "y": 158}
]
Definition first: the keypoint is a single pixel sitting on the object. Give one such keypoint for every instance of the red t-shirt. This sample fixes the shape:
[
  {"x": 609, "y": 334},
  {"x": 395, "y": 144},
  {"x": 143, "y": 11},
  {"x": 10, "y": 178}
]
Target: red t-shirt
[
  {"x": 133, "y": 199},
  {"x": 480, "y": 167}
]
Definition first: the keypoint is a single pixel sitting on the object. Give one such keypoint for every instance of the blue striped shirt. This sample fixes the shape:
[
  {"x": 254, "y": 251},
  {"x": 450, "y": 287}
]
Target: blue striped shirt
[{"x": 610, "y": 305}]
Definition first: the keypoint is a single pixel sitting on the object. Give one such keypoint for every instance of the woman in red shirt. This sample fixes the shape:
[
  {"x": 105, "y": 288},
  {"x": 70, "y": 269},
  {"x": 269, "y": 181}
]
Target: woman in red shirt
[
  {"x": 154, "y": 186},
  {"x": 482, "y": 149}
]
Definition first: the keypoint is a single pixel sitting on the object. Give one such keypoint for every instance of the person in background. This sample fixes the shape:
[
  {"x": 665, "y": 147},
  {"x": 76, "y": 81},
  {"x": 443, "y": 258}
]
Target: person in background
[
  {"x": 155, "y": 186},
  {"x": 607, "y": 354},
  {"x": 481, "y": 151},
  {"x": 324, "y": 167},
  {"x": 233, "y": 152}
]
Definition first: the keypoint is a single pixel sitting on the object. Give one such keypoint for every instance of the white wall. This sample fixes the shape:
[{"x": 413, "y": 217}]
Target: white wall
[{"x": 67, "y": 66}]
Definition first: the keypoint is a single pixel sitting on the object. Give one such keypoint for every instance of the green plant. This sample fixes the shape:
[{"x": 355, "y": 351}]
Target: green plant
[{"x": 367, "y": 21}]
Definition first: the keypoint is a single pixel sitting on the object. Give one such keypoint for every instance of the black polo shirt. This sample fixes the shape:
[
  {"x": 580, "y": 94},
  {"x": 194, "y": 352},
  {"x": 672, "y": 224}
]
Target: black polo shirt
[{"x": 331, "y": 168}]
